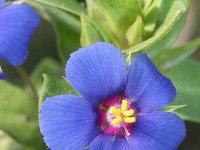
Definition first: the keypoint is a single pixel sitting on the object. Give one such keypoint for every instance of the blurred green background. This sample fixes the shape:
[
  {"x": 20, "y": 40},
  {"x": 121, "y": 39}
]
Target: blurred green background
[
  {"x": 43, "y": 45},
  {"x": 191, "y": 31}
]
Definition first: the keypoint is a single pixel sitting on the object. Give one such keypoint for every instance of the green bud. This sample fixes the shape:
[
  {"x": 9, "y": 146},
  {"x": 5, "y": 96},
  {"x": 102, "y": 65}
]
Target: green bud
[
  {"x": 115, "y": 16},
  {"x": 135, "y": 32}
]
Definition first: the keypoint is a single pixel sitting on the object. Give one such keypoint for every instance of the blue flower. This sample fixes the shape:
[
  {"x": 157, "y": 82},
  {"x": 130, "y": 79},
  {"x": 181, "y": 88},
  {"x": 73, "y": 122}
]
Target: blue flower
[
  {"x": 117, "y": 110},
  {"x": 17, "y": 24}
]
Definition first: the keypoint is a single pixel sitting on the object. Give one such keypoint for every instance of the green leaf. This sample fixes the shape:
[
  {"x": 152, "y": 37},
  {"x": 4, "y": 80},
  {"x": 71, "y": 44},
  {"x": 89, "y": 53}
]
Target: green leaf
[
  {"x": 172, "y": 56},
  {"x": 173, "y": 108},
  {"x": 169, "y": 39},
  {"x": 186, "y": 78},
  {"x": 150, "y": 15},
  {"x": 18, "y": 113},
  {"x": 176, "y": 11},
  {"x": 53, "y": 86},
  {"x": 68, "y": 5},
  {"x": 89, "y": 33},
  {"x": 164, "y": 8},
  {"x": 8, "y": 103},
  {"x": 66, "y": 26},
  {"x": 21, "y": 129},
  {"x": 68, "y": 31}
]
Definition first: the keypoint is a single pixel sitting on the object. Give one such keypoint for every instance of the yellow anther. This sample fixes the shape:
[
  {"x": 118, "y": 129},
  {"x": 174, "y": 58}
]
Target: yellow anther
[
  {"x": 122, "y": 115},
  {"x": 124, "y": 105},
  {"x": 129, "y": 119},
  {"x": 115, "y": 111},
  {"x": 117, "y": 120},
  {"x": 128, "y": 113}
]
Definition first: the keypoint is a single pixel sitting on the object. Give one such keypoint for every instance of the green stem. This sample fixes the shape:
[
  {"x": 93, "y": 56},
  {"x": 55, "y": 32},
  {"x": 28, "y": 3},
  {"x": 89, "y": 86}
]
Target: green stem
[{"x": 25, "y": 77}]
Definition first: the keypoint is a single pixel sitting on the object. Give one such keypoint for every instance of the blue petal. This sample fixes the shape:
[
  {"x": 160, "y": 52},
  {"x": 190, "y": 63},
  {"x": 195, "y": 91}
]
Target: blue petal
[
  {"x": 105, "y": 142},
  {"x": 1, "y": 2},
  {"x": 2, "y": 76},
  {"x": 157, "y": 131},
  {"x": 148, "y": 88},
  {"x": 17, "y": 24},
  {"x": 68, "y": 122},
  {"x": 97, "y": 72}
]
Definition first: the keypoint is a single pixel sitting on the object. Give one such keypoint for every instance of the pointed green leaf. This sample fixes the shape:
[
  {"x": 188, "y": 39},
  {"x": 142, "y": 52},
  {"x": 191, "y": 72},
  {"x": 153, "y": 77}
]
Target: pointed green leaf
[
  {"x": 186, "y": 78},
  {"x": 71, "y": 6},
  {"x": 176, "y": 11},
  {"x": 89, "y": 33},
  {"x": 173, "y": 108},
  {"x": 172, "y": 56},
  {"x": 165, "y": 7},
  {"x": 135, "y": 33},
  {"x": 53, "y": 86}
]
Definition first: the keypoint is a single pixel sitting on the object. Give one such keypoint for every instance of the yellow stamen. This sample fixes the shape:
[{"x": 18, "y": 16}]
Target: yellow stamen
[
  {"x": 117, "y": 120},
  {"x": 115, "y": 111},
  {"x": 124, "y": 105},
  {"x": 129, "y": 119},
  {"x": 128, "y": 113}
]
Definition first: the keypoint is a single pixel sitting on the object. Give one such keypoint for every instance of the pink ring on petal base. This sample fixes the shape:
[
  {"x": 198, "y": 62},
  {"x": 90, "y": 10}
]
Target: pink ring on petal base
[{"x": 121, "y": 129}]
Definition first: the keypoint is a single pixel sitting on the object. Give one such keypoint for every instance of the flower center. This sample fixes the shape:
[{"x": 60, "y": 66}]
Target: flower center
[
  {"x": 117, "y": 116},
  {"x": 123, "y": 115}
]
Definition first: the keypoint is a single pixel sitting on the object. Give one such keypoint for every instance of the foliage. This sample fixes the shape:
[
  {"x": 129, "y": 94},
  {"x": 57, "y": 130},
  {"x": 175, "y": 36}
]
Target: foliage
[{"x": 131, "y": 25}]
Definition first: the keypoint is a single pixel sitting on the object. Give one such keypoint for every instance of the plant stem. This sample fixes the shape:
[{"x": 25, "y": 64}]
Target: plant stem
[{"x": 25, "y": 77}]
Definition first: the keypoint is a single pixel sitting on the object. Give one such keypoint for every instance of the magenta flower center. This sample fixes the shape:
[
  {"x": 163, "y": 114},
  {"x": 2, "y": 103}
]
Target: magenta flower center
[{"x": 117, "y": 116}]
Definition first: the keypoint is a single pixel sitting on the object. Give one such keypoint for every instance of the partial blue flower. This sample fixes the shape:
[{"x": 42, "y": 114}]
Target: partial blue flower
[
  {"x": 1, "y": 2},
  {"x": 17, "y": 24},
  {"x": 117, "y": 110}
]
